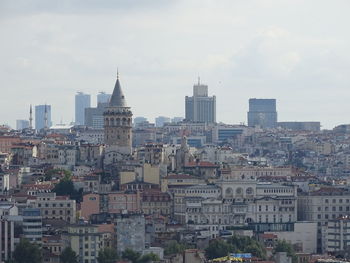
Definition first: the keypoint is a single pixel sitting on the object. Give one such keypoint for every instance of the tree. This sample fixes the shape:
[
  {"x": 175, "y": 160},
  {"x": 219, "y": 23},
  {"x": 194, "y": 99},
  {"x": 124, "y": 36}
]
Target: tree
[
  {"x": 131, "y": 255},
  {"x": 27, "y": 252},
  {"x": 284, "y": 246},
  {"x": 66, "y": 187},
  {"x": 243, "y": 244},
  {"x": 68, "y": 256},
  {"x": 57, "y": 173},
  {"x": 218, "y": 248},
  {"x": 148, "y": 258},
  {"x": 107, "y": 255},
  {"x": 173, "y": 247}
]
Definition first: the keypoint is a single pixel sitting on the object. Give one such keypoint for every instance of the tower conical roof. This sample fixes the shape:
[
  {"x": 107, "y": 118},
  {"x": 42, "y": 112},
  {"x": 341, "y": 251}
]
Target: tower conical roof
[{"x": 117, "y": 99}]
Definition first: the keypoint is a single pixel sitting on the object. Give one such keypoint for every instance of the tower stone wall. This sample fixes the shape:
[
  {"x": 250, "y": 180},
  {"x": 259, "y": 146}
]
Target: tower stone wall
[{"x": 118, "y": 123}]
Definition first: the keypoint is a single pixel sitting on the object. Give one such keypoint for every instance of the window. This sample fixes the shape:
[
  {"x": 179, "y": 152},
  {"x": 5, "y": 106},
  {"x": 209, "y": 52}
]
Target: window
[{"x": 326, "y": 201}]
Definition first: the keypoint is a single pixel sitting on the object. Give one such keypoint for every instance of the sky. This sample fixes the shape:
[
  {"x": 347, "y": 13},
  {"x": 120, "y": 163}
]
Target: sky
[{"x": 296, "y": 51}]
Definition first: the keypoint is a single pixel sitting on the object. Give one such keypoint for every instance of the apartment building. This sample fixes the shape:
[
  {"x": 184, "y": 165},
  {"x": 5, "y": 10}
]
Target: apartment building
[
  {"x": 55, "y": 207},
  {"x": 321, "y": 206},
  {"x": 85, "y": 241}
]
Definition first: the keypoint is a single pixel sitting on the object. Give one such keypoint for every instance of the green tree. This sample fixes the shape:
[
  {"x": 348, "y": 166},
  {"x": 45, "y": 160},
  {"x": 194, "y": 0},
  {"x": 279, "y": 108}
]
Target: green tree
[
  {"x": 107, "y": 255},
  {"x": 218, "y": 248},
  {"x": 151, "y": 257},
  {"x": 68, "y": 256},
  {"x": 131, "y": 255},
  {"x": 66, "y": 187},
  {"x": 284, "y": 246},
  {"x": 173, "y": 247},
  {"x": 243, "y": 244},
  {"x": 57, "y": 173},
  {"x": 26, "y": 252}
]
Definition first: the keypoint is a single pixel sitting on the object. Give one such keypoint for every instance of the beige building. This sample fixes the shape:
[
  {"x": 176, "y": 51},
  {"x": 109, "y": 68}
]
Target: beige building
[
  {"x": 179, "y": 180},
  {"x": 256, "y": 172},
  {"x": 85, "y": 241},
  {"x": 304, "y": 236},
  {"x": 151, "y": 174},
  {"x": 55, "y": 207}
]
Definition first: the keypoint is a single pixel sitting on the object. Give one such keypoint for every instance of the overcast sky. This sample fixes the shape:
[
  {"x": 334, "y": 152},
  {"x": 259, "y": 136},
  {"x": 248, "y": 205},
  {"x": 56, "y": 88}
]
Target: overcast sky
[{"x": 296, "y": 51}]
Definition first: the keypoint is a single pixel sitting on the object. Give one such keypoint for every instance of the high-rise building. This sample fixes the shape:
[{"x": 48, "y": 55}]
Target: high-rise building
[
  {"x": 32, "y": 225},
  {"x": 82, "y": 101},
  {"x": 139, "y": 120},
  {"x": 94, "y": 116},
  {"x": 177, "y": 119},
  {"x": 262, "y": 112},
  {"x": 118, "y": 122},
  {"x": 22, "y": 124},
  {"x": 200, "y": 107},
  {"x": 103, "y": 97},
  {"x": 161, "y": 120},
  {"x": 42, "y": 117}
]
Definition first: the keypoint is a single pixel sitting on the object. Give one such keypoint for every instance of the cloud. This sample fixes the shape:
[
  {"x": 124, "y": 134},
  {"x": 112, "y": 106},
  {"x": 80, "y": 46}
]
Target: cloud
[{"x": 241, "y": 49}]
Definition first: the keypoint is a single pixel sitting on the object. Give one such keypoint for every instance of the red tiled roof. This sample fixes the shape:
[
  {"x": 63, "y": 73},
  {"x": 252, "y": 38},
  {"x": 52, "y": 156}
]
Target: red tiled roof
[{"x": 267, "y": 235}]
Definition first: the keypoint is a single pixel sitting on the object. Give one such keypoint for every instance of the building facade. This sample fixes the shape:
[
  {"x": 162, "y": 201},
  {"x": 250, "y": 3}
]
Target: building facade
[
  {"x": 200, "y": 107},
  {"x": 42, "y": 117},
  {"x": 262, "y": 112},
  {"x": 118, "y": 122},
  {"x": 103, "y": 97},
  {"x": 22, "y": 124},
  {"x": 322, "y": 206},
  {"x": 82, "y": 101},
  {"x": 85, "y": 240}
]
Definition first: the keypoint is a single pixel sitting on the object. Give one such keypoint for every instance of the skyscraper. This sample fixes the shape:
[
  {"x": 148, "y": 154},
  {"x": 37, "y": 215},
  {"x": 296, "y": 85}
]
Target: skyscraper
[
  {"x": 22, "y": 124},
  {"x": 200, "y": 107},
  {"x": 262, "y": 112},
  {"x": 82, "y": 101},
  {"x": 94, "y": 116},
  {"x": 118, "y": 122},
  {"x": 161, "y": 120},
  {"x": 103, "y": 97},
  {"x": 42, "y": 116}
]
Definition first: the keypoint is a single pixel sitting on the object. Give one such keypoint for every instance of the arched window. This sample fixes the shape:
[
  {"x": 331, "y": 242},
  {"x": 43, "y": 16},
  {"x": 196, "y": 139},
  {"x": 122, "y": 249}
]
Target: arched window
[
  {"x": 249, "y": 191},
  {"x": 239, "y": 191},
  {"x": 229, "y": 192}
]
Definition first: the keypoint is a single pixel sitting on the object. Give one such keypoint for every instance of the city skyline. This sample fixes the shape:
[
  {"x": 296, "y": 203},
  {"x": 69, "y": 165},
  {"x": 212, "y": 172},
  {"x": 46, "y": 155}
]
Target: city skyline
[{"x": 300, "y": 62}]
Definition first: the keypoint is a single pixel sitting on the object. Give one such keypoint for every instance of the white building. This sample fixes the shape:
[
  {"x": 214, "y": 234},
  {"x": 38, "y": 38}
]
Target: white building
[{"x": 322, "y": 206}]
